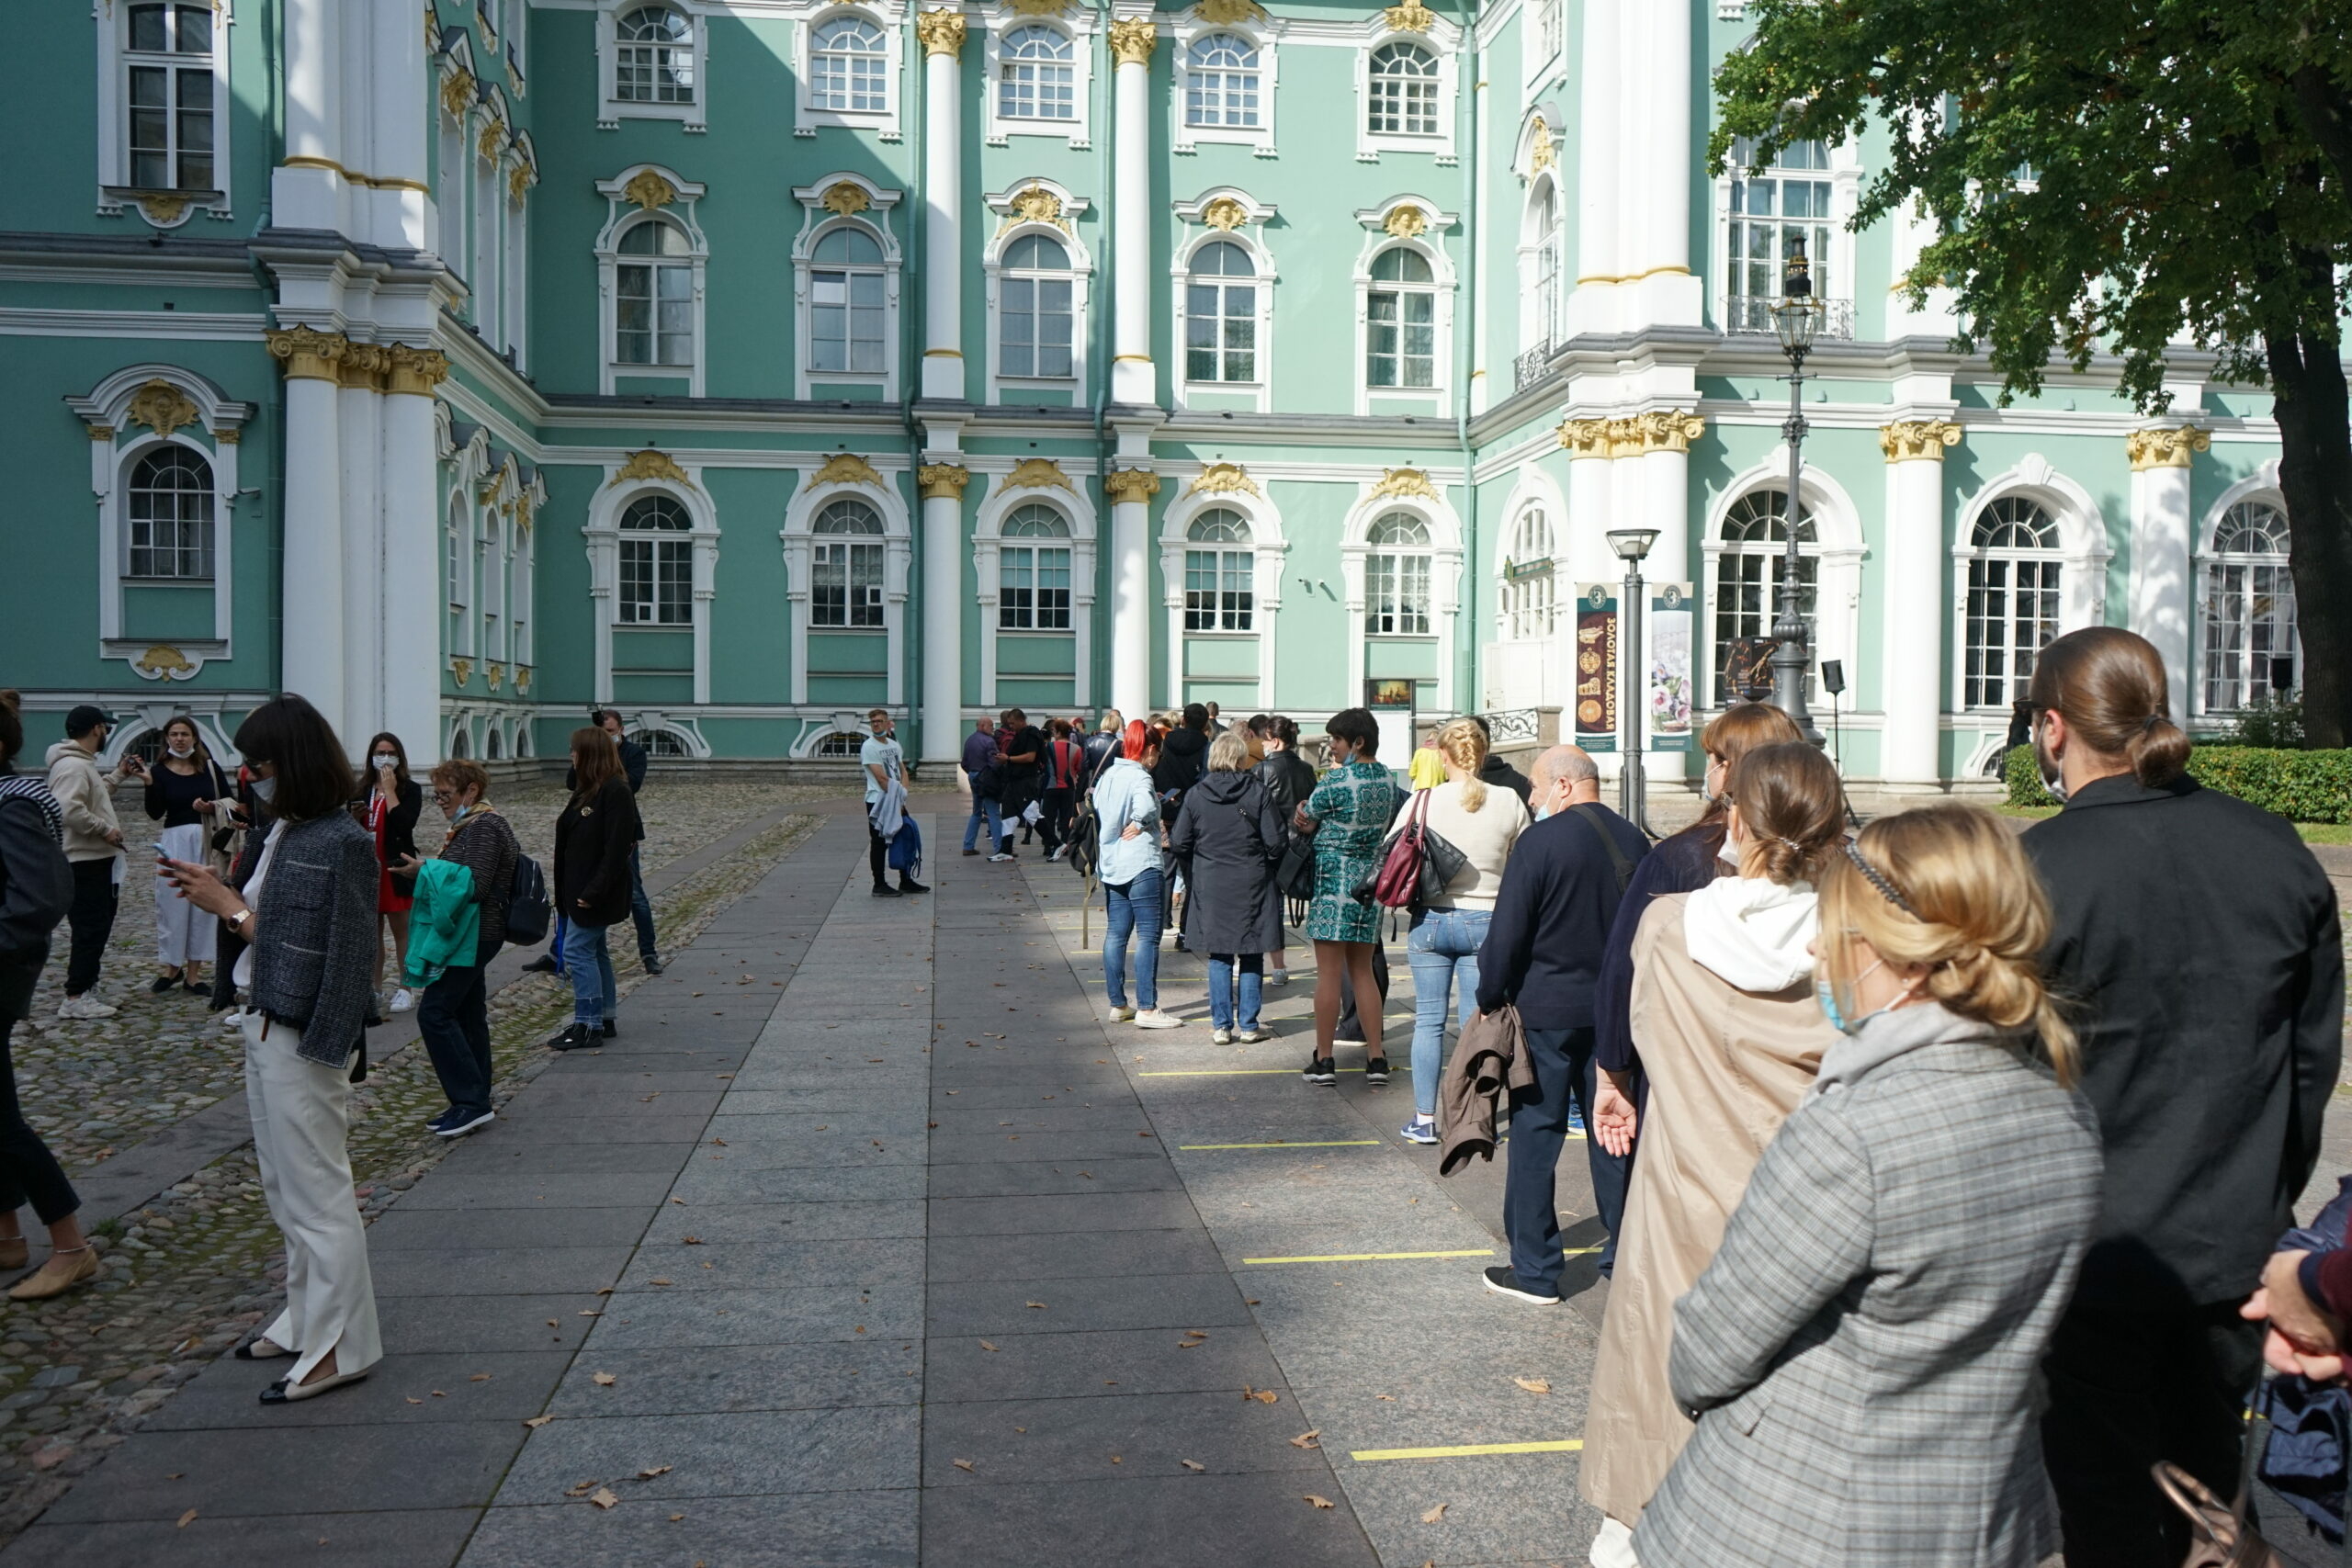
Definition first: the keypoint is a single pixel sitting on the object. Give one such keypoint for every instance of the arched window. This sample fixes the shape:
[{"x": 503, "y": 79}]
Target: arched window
[
  {"x": 494, "y": 748},
  {"x": 169, "y": 80},
  {"x": 454, "y": 562},
  {"x": 1396, "y": 577},
  {"x": 1400, "y": 349},
  {"x": 1530, "y": 610},
  {"x": 1539, "y": 314},
  {"x": 657, "y": 570},
  {"x": 1033, "y": 592},
  {"x": 2013, "y": 603},
  {"x": 1774, "y": 210},
  {"x": 1036, "y": 75},
  {"x": 843, "y": 744},
  {"x": 171, "y": 516},
  {"x": 1037, "y": 322},
  {"x": 848, "y": 68},
  {"x": 1752, "y": 571},
  {"x": 1221, "y": 315},
  {"x": 462, "y": 740},
  {"x": 1220, "y": 573},
  {"x": 1221, "y": 81},
  {"x": 1404, "y": 91},
  {"x": 660, "y": 742},
  {"x": 655, "y": 61},
  {"x": 845, "y": 288},
  {"x": 654, "y": 295},
  {"x": 846, "y": 566},
  {"x": 2250, "y": 653}
]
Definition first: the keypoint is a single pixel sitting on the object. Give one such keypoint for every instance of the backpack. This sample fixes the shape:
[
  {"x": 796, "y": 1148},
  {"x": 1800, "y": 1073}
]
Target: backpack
[
  {"x": 1083, "y": 839},
  {"x": 530, "y": 912}
]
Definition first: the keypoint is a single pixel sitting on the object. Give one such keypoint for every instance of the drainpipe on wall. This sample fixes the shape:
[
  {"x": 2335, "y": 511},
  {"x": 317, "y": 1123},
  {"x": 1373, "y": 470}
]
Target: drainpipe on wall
[
  {"x": 1466, "y": 699},
  {"x": 1099, "y": 302},
  {"x": 910, "y": 389}
]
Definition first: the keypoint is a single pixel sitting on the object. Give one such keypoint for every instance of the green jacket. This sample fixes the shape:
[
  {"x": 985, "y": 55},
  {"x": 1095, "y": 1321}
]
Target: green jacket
[{"x": 444, "y": 924}]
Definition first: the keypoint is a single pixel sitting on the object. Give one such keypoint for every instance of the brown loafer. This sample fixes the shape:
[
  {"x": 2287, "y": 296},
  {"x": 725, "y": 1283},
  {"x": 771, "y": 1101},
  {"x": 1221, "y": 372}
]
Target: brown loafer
[{"x": 60, "y": 1274}]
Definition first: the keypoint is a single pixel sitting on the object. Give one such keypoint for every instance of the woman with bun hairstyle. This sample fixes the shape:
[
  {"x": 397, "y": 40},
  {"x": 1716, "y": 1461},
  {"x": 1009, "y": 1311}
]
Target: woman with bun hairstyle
[
  {"x": 1725, "y": 1019},
  {"x": 2203, "y": 944},
  {"x": 1864, "y": 1347}
]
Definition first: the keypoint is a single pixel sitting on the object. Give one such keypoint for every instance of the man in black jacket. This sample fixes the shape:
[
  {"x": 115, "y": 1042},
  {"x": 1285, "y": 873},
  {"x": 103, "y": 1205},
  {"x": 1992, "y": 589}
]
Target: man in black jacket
[
  {"x": 1542, "y": 952},
  {"x": 1498, "y": 774},
  {"x": 2200, "y": 944}
]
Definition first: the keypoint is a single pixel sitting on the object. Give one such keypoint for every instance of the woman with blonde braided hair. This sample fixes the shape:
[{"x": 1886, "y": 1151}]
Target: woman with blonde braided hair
[{"x": 1864, "y": 1350}]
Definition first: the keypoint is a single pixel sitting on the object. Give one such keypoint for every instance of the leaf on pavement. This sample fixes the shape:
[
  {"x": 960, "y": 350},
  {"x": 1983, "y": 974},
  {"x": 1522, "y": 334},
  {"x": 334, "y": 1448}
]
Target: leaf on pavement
[
  {"x": 1306, "y": 1439},
  {"x": 657, "y": 1469},
  {"x": 1039, "y": 1305},
  {"x": 605, "y": 1380},
  {"x": 1533, "y": 1386},
  {"x": 536, "y": 1422},
  {"x": 186, "y": 1518},
  {"x": 1434, "y": 1515},
  {"x": 604, "y": 1497},
  {"x": 986, "y": 1346},
  {"x": 965, "y": 1464},
  {"x": 1191, "y": 1464},
  {"x": 675, "y": 1518},
  {"x": 416, "y": 1402},
  {"x": 478, "y": 1377},
  {"x": 1262, "y": 1395},
  {"x": 1318, "y": 1502},
  {"x": 661, "y": 1282},
  {"x": 692, "y": 1240}
]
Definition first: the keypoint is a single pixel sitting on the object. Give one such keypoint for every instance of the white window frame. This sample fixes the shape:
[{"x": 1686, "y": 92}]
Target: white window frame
[
  {"x": 514, "y": 308},
  {"x": 1518, "y": 671},
  {"x": 613, "y": 109},
  {"x": 797, "y": 539},
  {"x": 1446, "y": 557},
  {"x": 1837, "y": 581},
  {"x": 2259, "y": 488},
  {"x": 1845, "y": 177},
  {"x": 1076, "y": 24},
  {"x": 486, "y": 142},
  {"x": 1429, "y": 243},
  {"x": 987, "y": 542},
  {"x": 115, "y": 191},
  {"x": 2081, "y": 556},
  {"x": 1772, "y": 553},
  {"x": 1543, "y": 42},
  {"x": 457, "y": 90},
  {"x": 621, "y": 214},
  {"x": 1272, "y": 549},
  {"x": 1222, "y": 556},
  {"x": 1967, "y": 554},
  {"x": 603, "y": 533},
  {"x": 817, "y": 220},
  {"x": 1033, "y": 546},
  {"x": 117, "y": 443},
  {"x": 677, "y": 573},
  {"x": 1064, "y": 231},
  {"x": 832, "y": 548},
  {"x": 1250, "y": 237},
  {"x": 807, "y": 118},
  {"x": 1438, "y": 43},
  {"x": 1263, "y": 34},
  {"x": 1542, "y": 310}
]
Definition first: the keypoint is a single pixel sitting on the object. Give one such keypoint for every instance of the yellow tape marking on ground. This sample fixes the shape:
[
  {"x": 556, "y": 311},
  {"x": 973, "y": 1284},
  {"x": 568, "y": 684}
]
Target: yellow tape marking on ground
[
  {"x": 1469, "y": 1450},
  {"x": 1257, "y": 1073},
  {"x": 1333, "y": 1144},
  {"x": 1372, "y": 1257}
]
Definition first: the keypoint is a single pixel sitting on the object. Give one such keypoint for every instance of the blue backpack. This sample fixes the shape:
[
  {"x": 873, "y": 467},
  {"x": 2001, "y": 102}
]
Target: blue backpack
[{"x": 530, "y": 912}]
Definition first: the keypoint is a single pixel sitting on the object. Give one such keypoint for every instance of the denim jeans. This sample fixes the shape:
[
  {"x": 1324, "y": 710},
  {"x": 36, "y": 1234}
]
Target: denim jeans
[
  {"x": 1538, "y": 1130},
  {"x": 1443, "y": 951},
  {"x": 1134, "y": 910},
  {"x": 1222, "y": 986},
  {"x": 589, "y": 961},
  {"x": 454, "y": 1018},
  {"x": 641, "y": 908},
  {"x": 982, "y": 809}
]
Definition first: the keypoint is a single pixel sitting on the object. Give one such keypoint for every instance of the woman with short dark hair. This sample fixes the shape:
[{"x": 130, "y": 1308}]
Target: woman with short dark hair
[
  {"x": 185, "y": 791},
  {"x": 308, "y": 913},
  {"x": 1348, "y": 814},
  {"x": 592, "y": 838}
]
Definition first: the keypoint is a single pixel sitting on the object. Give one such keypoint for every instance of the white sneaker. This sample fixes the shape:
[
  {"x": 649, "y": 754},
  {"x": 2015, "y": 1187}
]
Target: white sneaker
[
  {"x": 1123, "y": 1015},
  {"x": 402, "y": 1000},
  {"x": 234, "y": 1019},
  {"x": 1278, "y": 977},
  {"x": 1056, "y": 855},
  {"x": 1155, "y": 1018},
  {"x": 999, "y": 856},
  {"x": 1251, "y": 1036},
  {"x": 87, "y": 1007},
  {"x": 1220, "y": 1037}
]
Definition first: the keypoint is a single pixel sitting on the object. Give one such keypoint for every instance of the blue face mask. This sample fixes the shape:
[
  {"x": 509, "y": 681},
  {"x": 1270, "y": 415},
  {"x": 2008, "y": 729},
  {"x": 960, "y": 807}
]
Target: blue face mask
[{"x": 1825, "y": 991}]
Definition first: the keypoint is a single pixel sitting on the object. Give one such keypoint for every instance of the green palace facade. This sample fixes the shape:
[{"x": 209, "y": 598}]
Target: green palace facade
[{"x": 746, "y": 364}]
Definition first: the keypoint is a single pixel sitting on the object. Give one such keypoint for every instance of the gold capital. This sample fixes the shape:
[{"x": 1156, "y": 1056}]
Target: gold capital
[
  {"x": 415, "y": 371},
  {"x": 102, "y": 433},
  {"x": 2166, "y": 448},
  {"x": 943, "y": 482},
  {"x": 1132, "y": 40},
  {"x": 942, "y": 32},
  {"x": 1917, "y": 440},
  {"x": 310, "y": 354},
  {"x": 1125, "y": 485},
  {"x": 228, "y": 437},
  {"x": 1584, "y": 437},
  {"x": 362, "y": 367},
  {"x": 1660, "y": 430}
]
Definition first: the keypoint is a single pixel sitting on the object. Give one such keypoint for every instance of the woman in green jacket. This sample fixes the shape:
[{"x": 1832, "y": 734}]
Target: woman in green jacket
[{"x": 455, "y": 1018}]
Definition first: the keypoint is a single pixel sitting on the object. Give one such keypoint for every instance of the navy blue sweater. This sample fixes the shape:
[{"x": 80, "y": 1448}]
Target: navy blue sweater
[
  {"x": 1552, "y": 916},
  {"x": 1682, "y": 863}
]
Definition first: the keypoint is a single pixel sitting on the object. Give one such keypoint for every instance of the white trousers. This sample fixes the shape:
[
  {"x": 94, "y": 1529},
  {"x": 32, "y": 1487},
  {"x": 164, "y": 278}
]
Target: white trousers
[
  {"x": 301, "y": 1112},
  {"x": 183, "y": 933}
]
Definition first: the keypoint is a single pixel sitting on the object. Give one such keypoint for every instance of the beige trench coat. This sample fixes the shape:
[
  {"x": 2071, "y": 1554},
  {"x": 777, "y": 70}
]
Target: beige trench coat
[{"x": 1725, "y": 1069}]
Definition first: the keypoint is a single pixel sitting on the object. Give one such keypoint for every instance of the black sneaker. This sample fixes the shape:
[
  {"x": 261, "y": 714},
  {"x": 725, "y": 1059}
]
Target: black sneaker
[
  {"x": 1375, "y": 1071},
  {"x": 909, "y": 885},
  {"x": 543, "y": 964},
  {"x": 573, "y": 1037},
  {"x": 1322, "y": 1070},
  {"x": 612, "y": 1030},
  {"x": 883, "y": 890},
  {"x": 652, "y": 961},
  {"x": 457, "y": 1123},
  {"x": 1503, "y": 1282}
]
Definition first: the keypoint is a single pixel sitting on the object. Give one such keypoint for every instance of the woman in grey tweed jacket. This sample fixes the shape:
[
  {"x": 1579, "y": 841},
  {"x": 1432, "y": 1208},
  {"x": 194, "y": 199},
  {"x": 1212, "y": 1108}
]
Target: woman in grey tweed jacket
[{"x": 1862, "y": 1355}]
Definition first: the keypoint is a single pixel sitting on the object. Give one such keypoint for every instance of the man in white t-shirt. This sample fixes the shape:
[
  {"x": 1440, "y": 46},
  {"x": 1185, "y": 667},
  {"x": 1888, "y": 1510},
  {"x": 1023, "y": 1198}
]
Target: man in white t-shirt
[{"x": 883, "y": 764}]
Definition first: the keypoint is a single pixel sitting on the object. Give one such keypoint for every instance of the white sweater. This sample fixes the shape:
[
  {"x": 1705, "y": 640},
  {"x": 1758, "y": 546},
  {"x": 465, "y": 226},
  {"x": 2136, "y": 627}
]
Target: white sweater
[{"x": 1485, "y": 837}]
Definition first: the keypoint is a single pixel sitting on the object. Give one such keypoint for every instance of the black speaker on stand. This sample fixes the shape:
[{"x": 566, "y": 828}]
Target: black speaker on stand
[{"x": 1833, "y": 681}]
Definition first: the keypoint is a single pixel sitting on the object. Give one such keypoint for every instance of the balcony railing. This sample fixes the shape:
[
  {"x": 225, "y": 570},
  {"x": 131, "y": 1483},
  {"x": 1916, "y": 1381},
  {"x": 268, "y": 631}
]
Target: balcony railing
[
  {"x": 1752, "y": 313},
  {"x": 1530, "y": 367}
]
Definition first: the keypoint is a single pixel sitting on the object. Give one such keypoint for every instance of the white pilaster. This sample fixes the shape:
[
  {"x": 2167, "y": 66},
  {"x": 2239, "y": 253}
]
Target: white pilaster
[
  {"x": 1664, "y": 486},
  {"x": 941, "y": 482},
  {"x": 1132, "y": 376},
  {"x": 2162, "y": 535},
  {"x": 1654, "y": 197},
  {"x": 306, "y": 189},
  {"x": 310, "y": 654},
  {"x": 1910, "y": 675},
  {"x": 365, "y": 651},
  {"x": 400, "y": 90},
  {"x": 409, "y": 672},
  {"x": 942, "y": 353},
  {"x": 1592, "y": 301},
  {"x": 1131, "y": 491}
]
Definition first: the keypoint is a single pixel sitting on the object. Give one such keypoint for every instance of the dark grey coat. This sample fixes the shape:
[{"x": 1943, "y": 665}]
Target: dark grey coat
[
  {"x": 314, "y": 955},
  {"x": 1229, "y": 836},
  {"x": 36, "y": 886}
]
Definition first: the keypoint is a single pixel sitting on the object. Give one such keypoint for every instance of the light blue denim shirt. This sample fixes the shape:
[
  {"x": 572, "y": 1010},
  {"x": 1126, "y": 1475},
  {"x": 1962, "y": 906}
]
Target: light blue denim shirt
[{"x": 1124, "y": 795}]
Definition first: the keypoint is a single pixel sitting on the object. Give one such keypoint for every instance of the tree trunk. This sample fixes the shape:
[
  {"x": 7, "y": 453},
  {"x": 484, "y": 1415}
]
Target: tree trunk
[{"x": 2315, "y": 471}]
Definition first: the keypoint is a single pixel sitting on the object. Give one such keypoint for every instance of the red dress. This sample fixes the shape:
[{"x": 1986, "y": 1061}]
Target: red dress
[{"x": 390, "y": 899}]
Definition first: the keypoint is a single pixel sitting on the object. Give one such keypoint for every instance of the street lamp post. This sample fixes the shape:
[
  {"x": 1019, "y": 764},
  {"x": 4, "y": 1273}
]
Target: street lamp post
[
  {"x": 1632, "y": 545},
  {"x": 1796, "y": 320}
]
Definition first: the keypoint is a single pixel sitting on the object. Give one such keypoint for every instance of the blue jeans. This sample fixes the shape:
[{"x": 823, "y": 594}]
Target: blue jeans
[
  {"x": 641, "y": 908},
  {"x": 981, "y": 808},
  {"x": 1221, "y": 989},
  {"x": 556, "y": 946},
  {"x": 1443, "y": 951},
  {"x": 589, "y": 961},
  {"x": 1538, "y": 1130},
  {"x": 1134, "y": 910},
  {"x": 454, "y": 1018}
]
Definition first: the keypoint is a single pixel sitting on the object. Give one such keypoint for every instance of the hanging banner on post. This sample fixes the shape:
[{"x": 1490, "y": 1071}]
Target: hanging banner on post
[
  {"x": 1671, "y": 685},
  {"x": 1596, "y": 671}
]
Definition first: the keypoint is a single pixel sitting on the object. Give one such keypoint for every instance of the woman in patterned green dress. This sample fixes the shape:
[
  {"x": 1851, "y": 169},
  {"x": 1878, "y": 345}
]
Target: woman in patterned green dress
[{"x": 1349, "y": 815}]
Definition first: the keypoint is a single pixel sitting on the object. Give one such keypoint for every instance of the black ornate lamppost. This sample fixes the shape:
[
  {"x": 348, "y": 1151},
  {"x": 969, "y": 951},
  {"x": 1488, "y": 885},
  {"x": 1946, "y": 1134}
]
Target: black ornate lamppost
[{"x": 1796, "y": 320}]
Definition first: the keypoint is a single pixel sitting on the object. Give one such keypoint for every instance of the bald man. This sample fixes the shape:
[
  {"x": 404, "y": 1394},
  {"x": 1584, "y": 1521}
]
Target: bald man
[{"x": 1559, "y": 896}]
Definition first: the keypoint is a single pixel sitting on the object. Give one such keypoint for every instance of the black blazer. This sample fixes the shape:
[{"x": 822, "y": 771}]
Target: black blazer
[
  {"x": 592, "y": 846},
  {"x": 2199, "y": 941}
]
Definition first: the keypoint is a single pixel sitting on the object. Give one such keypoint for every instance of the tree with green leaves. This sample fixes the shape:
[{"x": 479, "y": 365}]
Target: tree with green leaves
[{"x": 2113, "y": 181}]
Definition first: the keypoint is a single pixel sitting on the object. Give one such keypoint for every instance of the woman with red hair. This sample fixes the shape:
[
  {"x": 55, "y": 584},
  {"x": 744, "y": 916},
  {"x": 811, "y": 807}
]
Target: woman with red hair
[{"x": 1126, "y": 808}]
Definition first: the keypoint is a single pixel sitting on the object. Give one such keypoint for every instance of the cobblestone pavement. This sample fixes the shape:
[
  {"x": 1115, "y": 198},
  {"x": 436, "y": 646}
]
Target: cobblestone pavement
[{"x": 191, "y": 1272}]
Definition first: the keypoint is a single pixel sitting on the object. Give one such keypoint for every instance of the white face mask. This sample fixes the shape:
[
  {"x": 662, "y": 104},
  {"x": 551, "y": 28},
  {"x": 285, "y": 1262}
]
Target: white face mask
[
  {"x": 182, "y": 752},
  {"x": 263, "y": 789},
  {"x": 385, "y": 760}
]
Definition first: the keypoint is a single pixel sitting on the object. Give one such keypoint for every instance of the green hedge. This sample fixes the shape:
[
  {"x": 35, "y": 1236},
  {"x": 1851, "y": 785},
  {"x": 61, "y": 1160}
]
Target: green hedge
[{"x": 2303, "y": 786}]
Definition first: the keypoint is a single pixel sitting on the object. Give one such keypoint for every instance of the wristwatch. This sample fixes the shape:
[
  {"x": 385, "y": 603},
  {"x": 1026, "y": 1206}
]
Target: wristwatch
[{"x": 237, "y": 921}]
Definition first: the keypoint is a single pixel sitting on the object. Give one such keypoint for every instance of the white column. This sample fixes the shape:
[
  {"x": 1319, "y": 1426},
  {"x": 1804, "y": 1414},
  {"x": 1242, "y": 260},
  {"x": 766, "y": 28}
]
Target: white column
[
  {"x": 1589, "y": 557},
  {"x": 943, "y": 485},
  {"x": 1133, "y": 379},
  {"x": 306, "y": 189},
  {"x": 400, "y": 86},
  {"x": 408, "y": 686},
  {"x": 2163, "y": 529},
  {"x": 1911, "y": 673},
  {"x": 1664, "y": 485},
  {"x": 1592, "y": 301},
  {"x": 1131, "y": 491},
  {"x": 943, "y": 130},
  {"x": 365, "y": 651},
  {"x": 311, "y": 622},
  {"x": 1655, "y": 196}
]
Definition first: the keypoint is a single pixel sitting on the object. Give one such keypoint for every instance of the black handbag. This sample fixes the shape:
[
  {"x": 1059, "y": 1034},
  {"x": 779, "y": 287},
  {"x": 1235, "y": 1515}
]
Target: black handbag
[
  {"x": 1295, "y": 875},
  {"x": 1440, "y": 864}
]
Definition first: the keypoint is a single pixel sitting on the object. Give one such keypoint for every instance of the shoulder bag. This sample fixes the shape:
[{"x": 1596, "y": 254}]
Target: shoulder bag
[{"x": 1619, "y": 859}]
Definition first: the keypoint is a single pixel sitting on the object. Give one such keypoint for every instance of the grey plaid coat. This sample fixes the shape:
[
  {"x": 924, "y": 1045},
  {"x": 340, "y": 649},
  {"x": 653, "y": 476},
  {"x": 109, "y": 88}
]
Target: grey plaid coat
[{"x": 1865, "y": 1346}]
